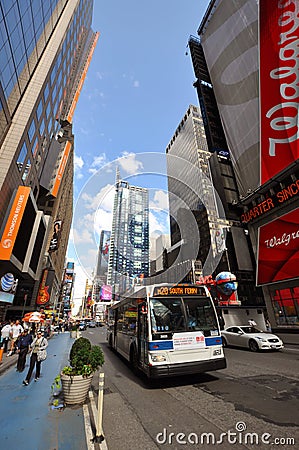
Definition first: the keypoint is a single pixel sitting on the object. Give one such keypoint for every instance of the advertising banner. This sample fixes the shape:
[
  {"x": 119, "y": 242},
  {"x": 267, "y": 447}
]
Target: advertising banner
[
  {"x": 106, "y": 293},
  {"x": 61, "y": 169},
  {"x": 182, "y": 341},
  {"x": 54, "y": 243},
  {"x": 45, "y": 287},
  {"x": 278, "y": 252},
  {"x": 8, "y": 285},
  {"x": 279, "y": 91},
  {"x": 13, "y": 222}
]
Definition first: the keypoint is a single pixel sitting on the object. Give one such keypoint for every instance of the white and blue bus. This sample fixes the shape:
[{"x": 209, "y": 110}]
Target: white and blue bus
[{"x": 166, "y": 330}]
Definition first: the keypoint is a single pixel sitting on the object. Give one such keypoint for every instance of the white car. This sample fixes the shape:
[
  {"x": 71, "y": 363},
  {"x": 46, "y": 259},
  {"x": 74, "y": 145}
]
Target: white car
[{"x": 250, "y": 337}]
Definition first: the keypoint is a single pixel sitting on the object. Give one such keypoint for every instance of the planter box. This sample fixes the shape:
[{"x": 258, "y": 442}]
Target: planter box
[{"x": 75, "y": 388}]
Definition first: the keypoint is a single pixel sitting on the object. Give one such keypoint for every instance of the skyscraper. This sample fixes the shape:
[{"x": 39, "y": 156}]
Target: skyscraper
[
  {"x": 129, "y": 246},
  {"x": 193, "y": 205},
  {"x": 45, "y": 51}
]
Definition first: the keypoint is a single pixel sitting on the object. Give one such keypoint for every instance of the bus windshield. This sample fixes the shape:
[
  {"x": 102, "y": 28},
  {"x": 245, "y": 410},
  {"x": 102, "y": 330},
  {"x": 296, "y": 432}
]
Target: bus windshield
[{"x": 178, "y": 314}]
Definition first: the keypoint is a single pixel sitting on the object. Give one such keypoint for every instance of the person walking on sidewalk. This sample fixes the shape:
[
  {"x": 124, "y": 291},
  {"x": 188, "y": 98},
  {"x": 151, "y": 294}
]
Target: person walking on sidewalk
[
  {"x": 39, "y": 343},
  {"x": 23, "y": 345},
  {"x": 5, "y": 334},
  {"x": 16, "y": 330}
]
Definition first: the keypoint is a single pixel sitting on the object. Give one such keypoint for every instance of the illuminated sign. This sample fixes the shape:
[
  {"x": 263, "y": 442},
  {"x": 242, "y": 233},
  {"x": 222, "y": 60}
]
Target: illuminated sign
[
  {"x": 61, "y": 169},
  {"x": 278, "y": 252},
  {"x": 13, "y": 222},
  {"x": 162, "y": 291},
  {"x": 279, "y": 94},
  {"x": 290, "y": 191}
]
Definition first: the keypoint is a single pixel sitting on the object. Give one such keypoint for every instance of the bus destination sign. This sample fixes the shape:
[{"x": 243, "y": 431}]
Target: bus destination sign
[{"x": 161, "y": 291}]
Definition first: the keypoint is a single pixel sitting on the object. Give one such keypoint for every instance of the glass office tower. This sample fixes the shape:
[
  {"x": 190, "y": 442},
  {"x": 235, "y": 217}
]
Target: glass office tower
[
  {"x": 129, "y": 245},
  {"x": 45, "y": 49}
]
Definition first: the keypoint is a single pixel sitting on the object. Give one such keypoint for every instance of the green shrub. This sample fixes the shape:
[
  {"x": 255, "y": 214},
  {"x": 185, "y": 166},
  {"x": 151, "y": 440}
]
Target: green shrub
[{"x": 84, "y": 358}]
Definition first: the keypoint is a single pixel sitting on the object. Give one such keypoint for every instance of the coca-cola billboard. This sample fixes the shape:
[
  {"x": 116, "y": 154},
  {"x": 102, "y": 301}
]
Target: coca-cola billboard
[
  {"x": 278, "y": 252},
  {"x": 279, "y": 85}
]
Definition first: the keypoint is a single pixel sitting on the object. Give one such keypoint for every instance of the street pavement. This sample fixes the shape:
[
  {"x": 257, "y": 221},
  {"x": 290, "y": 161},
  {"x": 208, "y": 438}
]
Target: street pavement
[{"x": 27, "y": 421}]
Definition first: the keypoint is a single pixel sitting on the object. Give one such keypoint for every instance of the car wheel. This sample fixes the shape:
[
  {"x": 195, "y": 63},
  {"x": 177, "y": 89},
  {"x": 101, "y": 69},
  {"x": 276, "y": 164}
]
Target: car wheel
[
  {"x": 253, "y": 346},
  {"x": 224, "y": 343}
]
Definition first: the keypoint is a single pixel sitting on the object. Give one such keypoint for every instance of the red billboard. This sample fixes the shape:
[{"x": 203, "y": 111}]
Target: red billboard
[
  {"x": 278, "y": 252},
  {"x": 279, "y": 91}
]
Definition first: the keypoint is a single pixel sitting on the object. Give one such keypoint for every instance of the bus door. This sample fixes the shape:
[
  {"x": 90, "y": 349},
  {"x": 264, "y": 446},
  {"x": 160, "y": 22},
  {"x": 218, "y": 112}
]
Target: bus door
[{"x": 142, "y": 334}]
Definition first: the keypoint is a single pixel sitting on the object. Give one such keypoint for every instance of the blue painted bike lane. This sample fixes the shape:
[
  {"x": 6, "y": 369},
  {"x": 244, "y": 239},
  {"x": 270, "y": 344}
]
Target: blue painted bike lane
[{"x": 27, "y": 421}]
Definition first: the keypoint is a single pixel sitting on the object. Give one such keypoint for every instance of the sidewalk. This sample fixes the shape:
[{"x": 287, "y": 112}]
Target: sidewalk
[{"x": 26, "y": 419}]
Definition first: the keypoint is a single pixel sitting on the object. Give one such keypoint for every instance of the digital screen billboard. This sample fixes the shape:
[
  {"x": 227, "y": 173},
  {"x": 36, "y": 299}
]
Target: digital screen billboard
[{"x": 278, "y": 251}]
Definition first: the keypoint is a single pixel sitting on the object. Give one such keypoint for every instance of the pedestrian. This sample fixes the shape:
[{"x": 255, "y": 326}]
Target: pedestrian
[
  {"x": 252, "y": 323},
  {"x": 23, "y": 346},
  {"x": 16, "y": 330},
  {"x": 5, "y": 335},
  {"x": 39, "y": 343},
  {"x": 221, "y": 321},
  {"x": 268, "y": 325}
]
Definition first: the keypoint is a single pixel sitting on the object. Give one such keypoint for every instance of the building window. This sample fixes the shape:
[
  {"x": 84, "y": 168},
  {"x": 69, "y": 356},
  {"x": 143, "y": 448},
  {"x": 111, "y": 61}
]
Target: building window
[
  {"x": 26, "y": 170},
  {"x": 31, "y": 131},
  {"x": 21, "y": 157}
]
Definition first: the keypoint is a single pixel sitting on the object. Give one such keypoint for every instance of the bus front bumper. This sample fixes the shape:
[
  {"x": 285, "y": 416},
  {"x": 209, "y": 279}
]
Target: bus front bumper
[{"x": 188, "y": 368}]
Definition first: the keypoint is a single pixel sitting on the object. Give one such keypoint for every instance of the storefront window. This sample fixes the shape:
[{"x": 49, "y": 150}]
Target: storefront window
[{"x": 286, "y": 306}]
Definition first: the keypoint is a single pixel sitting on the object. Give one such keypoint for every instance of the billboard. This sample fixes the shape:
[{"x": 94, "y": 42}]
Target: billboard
[
  {"x": 278, "y": 251},
  {"x": 45, "y": 287},
  {"x": 61, "y": 169},
  {"x": 103, "y": 253},
  {"x": 54, "y": 243},
  {"x": 8, "y": 285},
  {"x": 13, "y": 222},
  {"x": 229, "y": 38},
  {"x": 106, "y": 293},
  {"x": 279, "y": 92}
]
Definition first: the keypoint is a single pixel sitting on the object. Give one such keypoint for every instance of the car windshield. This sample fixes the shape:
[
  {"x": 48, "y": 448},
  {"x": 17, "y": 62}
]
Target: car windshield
[
  {"x": 249, "y": 330},
  {"x": 173, "y": 314}
]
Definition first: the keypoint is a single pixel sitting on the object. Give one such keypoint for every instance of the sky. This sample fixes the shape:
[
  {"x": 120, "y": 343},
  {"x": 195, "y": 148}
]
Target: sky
[{"x": 138, "y": 87}]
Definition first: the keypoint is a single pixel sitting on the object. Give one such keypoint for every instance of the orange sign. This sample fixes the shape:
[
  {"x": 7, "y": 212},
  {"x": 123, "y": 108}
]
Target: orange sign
[
  {"x": 13, "y": 222},
  {"x": 76, "y": 97},
  {"x": 61, "y": 169}
]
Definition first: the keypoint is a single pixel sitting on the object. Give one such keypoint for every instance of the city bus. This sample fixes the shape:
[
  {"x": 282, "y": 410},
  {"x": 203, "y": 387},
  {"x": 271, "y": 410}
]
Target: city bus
[{"x": 167, "y": 330}]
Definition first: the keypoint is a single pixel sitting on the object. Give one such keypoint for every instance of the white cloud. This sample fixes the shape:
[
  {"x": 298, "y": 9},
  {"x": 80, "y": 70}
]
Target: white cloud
[
  {"x": 78, "y": 162},
  {"x": 136, "y": 84},
  {"x": 82, "y": 236},
  {"x": 160, "y": 200},
  {"x": 157, "y": 224},
  {"x": 103, "y": 199},
  {"x": 97, "y": 163},
  {"x": 129, "y": 163}
]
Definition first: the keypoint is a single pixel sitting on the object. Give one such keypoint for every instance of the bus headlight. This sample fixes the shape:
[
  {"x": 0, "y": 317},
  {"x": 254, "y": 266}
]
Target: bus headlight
[
  {"x": 216, "y": 352},
  {"x": 158, "y": 357}
]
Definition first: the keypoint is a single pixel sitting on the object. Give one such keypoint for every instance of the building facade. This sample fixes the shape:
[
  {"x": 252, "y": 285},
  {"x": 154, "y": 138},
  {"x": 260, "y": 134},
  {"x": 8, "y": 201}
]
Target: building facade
[
  {"x": 129, "y": 245},
  {"x": 45, "y": 51},
  {"x": 250, "y": 57},
  {"x": 205, "y": 227}
]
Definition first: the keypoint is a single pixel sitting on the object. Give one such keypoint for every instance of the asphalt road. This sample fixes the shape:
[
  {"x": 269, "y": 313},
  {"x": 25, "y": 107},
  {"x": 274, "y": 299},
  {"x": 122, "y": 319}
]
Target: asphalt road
[{"x": 251, "y": 404}]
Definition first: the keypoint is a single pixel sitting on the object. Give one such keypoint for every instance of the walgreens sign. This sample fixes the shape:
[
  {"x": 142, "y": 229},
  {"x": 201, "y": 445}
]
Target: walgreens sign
[
  {"x": 279, "y": 85},
  {"x": 278, "y": 252}
]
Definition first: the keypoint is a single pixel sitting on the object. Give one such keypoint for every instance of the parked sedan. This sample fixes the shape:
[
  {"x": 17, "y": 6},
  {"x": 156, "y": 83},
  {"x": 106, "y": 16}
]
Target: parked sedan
[
  {"x": 250, "y": 337},
  {"x": 92, "y": 324}
]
